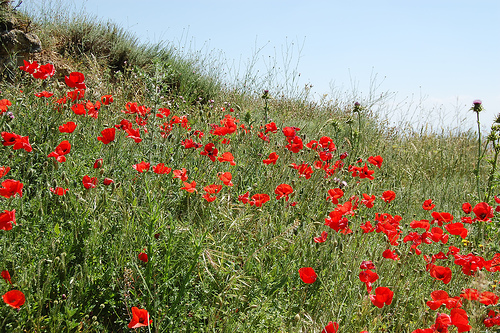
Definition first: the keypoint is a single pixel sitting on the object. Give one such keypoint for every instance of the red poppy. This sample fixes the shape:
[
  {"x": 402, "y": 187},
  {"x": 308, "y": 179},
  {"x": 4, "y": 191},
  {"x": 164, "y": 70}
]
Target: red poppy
[
  {"x": 161, "y": 169},
  {"x": 4, "y": 170},
  {"x": 440, "y": 297},
  {"x": 331, "y": 328},
  {"x": 6, "y": 219},
  {"x": 334, "y": 195},
  {"x": 383, "y": 295},
  {"x": 488, "y": 298},
  {"x": 107, "y": 99},
  {"x": 107, "y": 181},
  {"x": 368, "y": 277},
  {"x": 466, "y": 207},
  {"x": 388, "y": 254},
  {"x": 457, "y": 229},
  {"x": 290, "y": 132},
  {"x": 441, "y": 273},
  {"x": 93, "y": 109},
  {"x": 44, "y": 94},
  {"x": 189, "y": 187},
  {"x": 163, "y": 113},
  {"x": 14, "y": 298},
  {"x": 10, "y": 188},
  {"x": 424, "y": 224},
  {"x": 134, "y": 134},
  {"x": 259, "y": 199},
  {"x": 79, "y": 109},
  {"x": 44, "y": 71},
  {"x": 294, "y": 144},
  {"x": 75, "y": 80},
  {"x": 283, "y": 191},
  {"x": 20, "y": 142},
  {"x": 62, "y": 149},
  {"x": 227, "y": 157},
  {"x": 307, "y": 275},
  {"x": 6, "y": 276},
  {"x": 143, "y": 257},
  {"x": 4, "y": 105},
  {"x": 69, "y": 127},
  {"x": 367, "y": 227},
  {"x": 367, "y": 200},
  {"x": 141, "y": 167},
  {"x": 428, "y": 205},
  {"x": 388, "y": 196},
  {"x": 460, "y": 319},
  {"x": 441, "y": 217},
  {"x": 470, "y": 294},
  {"x": 189, "y": 143},
  {"x": 59, "y": 191},
  {"x": 483, "y": 212},
  {"x": 263, "y": 136},
  {"x": 210, "y": 151},
  {"x": 98, "y": 163},
  {"x": 322, "y": 238},
  {"x": 226, "y": 178},
  {"x": 108, "y": 135},
  {"x": 376, "y": 160},
  {"x": 244, "y": 198},
  {"x": 89, "y": 182},
  {"x": 140, "y": 317},
  {"x": 181, "y": 174},
  {"x": 29, "y": 67},
  {"x": 74, "y": 95}
]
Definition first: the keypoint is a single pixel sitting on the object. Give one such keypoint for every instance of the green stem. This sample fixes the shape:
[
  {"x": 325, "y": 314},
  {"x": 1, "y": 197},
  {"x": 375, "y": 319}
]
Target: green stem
[{"x": 478, "y": 157}]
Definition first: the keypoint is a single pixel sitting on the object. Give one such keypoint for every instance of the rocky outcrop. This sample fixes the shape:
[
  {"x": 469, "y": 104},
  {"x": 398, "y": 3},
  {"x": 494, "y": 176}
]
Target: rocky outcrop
[{"x": 15, "y": 44}]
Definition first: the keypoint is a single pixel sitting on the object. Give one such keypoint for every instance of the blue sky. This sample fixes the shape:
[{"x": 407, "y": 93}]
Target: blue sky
[{"x": 444, "y": 52}]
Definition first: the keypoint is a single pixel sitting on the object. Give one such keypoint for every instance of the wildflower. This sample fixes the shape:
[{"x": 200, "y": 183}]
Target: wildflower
[
  {"x": 331, "y": 328},
  {"x": 244, "y": 198},
  {"x": 140, "y": 317},
  {"x": 69, "y": 127},
  {"x": 44, "y": 94},
  {"x": 108, "y": 135},
  {"x": 89, "y": 182},
  {"x": 477, "y": 106},
  {"x": 460, "y": 319},
  {"x": 75, "y": 80},
  {"x": 428, "y": 205},
  {"x": 79, "y": 109},
  {"x": 383, "y": 295},
  {"x": 141, "y": 167},
  {"x": 163, "y": 113},
  {"x": 483, "y": 212},
  {"x": 74, "y": 95},
  {"x": 376, "y": 160},
  {"x": 181, "y": 174},
  {"x": 388, "y": 196},
  {"x": 334, "y": 195},
  {"x": 210, "y": 151},
  {"x": 368, "y": 277},
  {"x": 227, "y": 157},
  {"x": 441, "y": 273},
  {"x": 59, "y": 191},
  {"x": 4, "y": 105},
  {"x": 367, "y": 200},
  {"x": 107, "y": 181},
  {"x": 6, "y": 276},
  {"x": 225, "y": 177},
  {"x": 3, "y": 171},
  {"x": 307, "y": 275},
  {"x": 62, "y": 149},
  {"x": 271, "y": 127},
  {"x": 14, "y": 298},
  {"x": 143, "y": 257},
  {"x": 6, "y": 219},
  {"x": 189, "y": 187},
  {"x": 107, "y": 99},
  {"x": 10, "y": 188},
  {"x": 488, "y": 298},
  {"x": 259, "y": 199},
  {"x": 134, "y": 134},
  {"x": 160, "y": 168},
  {"x": 273, "y": 157},
  {"x": 283, "y": 190},
  {"x": 322, "y": 238},
  {"x": 98, "y": 163},
  {"x": 388, "y": 254},
  {"x": 294, "y": 144}
]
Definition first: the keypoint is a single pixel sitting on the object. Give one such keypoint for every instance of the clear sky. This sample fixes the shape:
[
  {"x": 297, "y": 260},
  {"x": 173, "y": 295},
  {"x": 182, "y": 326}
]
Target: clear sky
[{"x": 444, "y": 52}]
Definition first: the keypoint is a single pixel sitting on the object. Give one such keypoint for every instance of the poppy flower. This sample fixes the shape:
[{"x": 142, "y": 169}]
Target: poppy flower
[
  {"x": 367, "y": 264},
  {"x": 79, "y": 109},
  {"x": 376, "y": 160},
  {"x": 93, "y": 109},
  {"x": 108, "y": 135},
  {"x": 181, "y": 174},
  {"x": 263, "y": 136},
  {"x": 283, "y": 191},
  {"x": 143, "y": 257},
  {"x": 271, "y": 127},
  {"x": 440, "y": 297},
  {"x": 368, "y": 277},
  {"x": 4, "y": 105},
  {"x": 388, "y": 254},
  {"x": 290, "y": 132},
  {"x": 322, "y": 238},
  {"x": 14, "y": 298},
  {"x": 163, "y": 113},
  {"x": 98, "y": 163},
  {"x": 62, "y": 149},
  {"x": 140, "y": 317},
  {"x": 141, "y": 167},
  {"x": 424, "y": 224},
  {"x": 388, "y": 196},
  {"x": 428, "y": 205},
  {"x": 161, "y": 169},
  {"x": 107, "y": 181},
  {"x": 367, "y": 227},
  {"x": 441, "y": 217},
  {"x": 383, "y": 295},
  {"x": 210, "y": 151},
  {"x": 307, "y": 275},
  {"x": 334, "y": 195},
  {"x": 75, "y": 80},
  {"x": 42, "y": 94},
  {"x": 441, "y": 273},
  {"x": 69, "y": 127},
  {"x": 59, "y": 191},
  {"x": 457, "y": 229},
  {"x": 226, "y": 177},
  {"x": 189, "y": 143},
  {"x": 367, "y": 200},
  {"x": 259, "y": 199},
  {"x": 483, "y": 212},
  {"x": 466, "y": 207},
  {"x": 244, "y": 198},
  {"x": 44, "y": 71},
  {"x": 10, "y": 188},
  {"x": 4, "y": 170},
  {"x": 134, "y": 134},
  {"x": 89, "y": 182},
  {"x": 488, "y": 298},
  {"x": 294, "y": 144},
  {"x": 470, "y": 294},
  {"x": 74, "y": 95},
  {"x": 107, "y": 99},
  {"x": 460, "y": 319},
  {"x": 20, "y": 142},
  {"x": 227, "y": 157},
  {"x": 6, "y": 219},
  {"x": 6, "y": 276},
  {"x": 331, "y": 328},
  {"x": 189, "y": 187},
  {"x": 29, "y": 67}
]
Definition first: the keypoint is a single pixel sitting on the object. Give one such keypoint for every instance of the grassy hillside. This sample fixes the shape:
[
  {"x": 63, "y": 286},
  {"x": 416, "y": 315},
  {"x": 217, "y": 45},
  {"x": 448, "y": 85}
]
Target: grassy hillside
[{"x": 165, "y": 199}]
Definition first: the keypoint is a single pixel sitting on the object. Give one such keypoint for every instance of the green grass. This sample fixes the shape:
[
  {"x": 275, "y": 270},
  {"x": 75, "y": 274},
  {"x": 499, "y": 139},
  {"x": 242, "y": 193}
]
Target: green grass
[{"x": 221, "y": 266}]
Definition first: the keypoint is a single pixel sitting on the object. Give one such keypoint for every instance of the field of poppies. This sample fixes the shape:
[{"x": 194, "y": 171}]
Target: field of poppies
[{"x": 129, "y": 207}]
